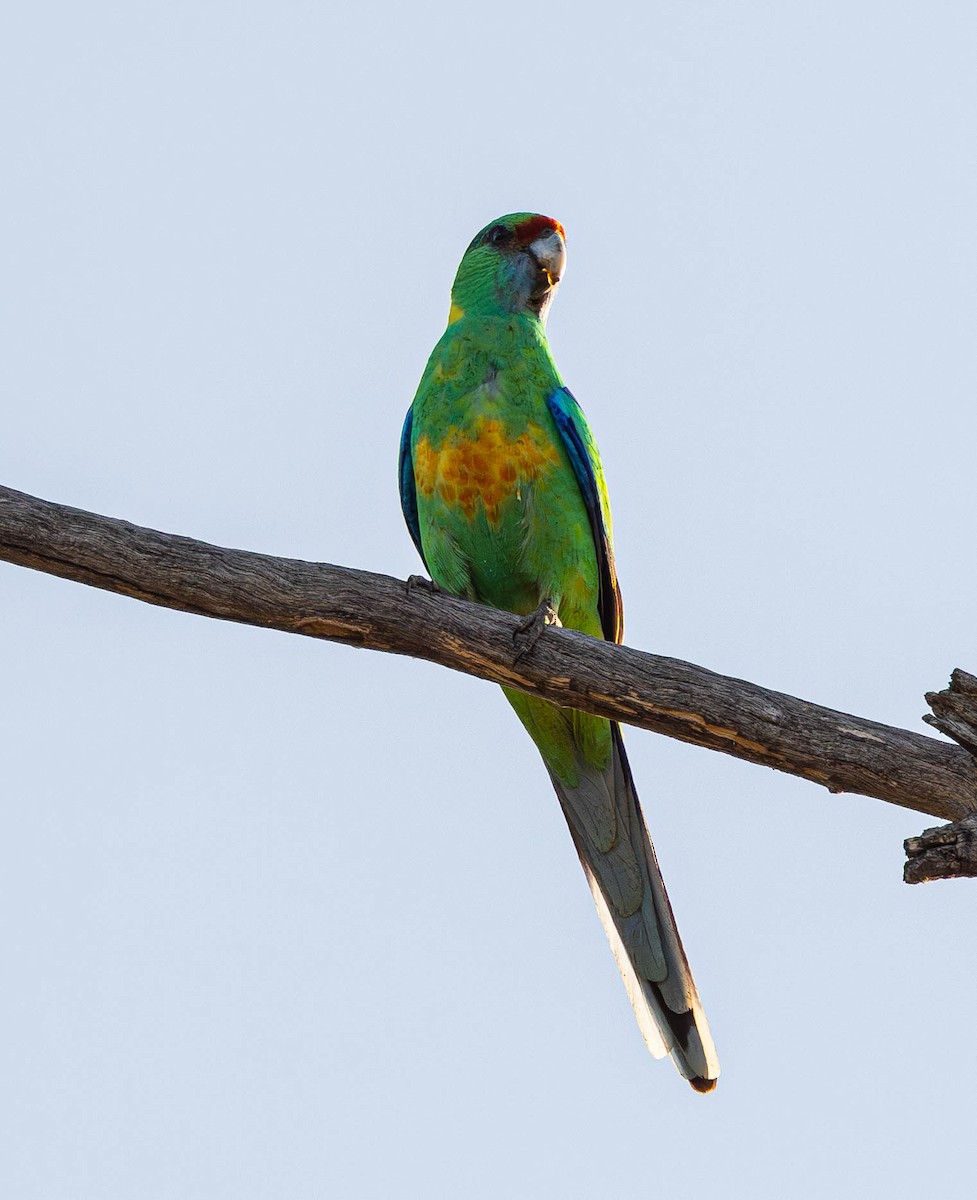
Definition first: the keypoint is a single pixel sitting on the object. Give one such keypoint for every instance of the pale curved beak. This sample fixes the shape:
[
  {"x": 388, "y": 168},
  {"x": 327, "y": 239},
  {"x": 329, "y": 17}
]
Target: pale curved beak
[{"x": 551, "y": 253}]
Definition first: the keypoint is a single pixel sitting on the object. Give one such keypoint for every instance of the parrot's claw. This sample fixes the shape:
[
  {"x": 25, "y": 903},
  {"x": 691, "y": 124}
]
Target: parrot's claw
[
  {"x": 422, "y": 583},
  {"x": 527, "y": 632}
]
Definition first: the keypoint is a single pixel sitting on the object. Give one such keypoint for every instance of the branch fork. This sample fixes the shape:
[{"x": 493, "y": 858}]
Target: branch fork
[{"x": 948, "y": 851}]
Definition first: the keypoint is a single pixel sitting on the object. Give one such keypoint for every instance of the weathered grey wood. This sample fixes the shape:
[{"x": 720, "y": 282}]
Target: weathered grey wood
[
  {"x": 955, "y": 710},
  {"x": 946, "y": 852},
  {"x": 841, "y": 752}
]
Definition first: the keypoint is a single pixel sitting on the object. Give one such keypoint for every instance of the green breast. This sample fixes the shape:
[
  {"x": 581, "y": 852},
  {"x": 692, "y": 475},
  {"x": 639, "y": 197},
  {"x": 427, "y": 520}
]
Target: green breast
[{"x": 501, "y": 515}]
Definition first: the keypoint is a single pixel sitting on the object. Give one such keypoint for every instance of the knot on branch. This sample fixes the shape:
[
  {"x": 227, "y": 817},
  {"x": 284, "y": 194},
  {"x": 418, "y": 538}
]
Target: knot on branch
[
  {"x": 955, "y": 710},
  {"x": 945, "y": 852}
]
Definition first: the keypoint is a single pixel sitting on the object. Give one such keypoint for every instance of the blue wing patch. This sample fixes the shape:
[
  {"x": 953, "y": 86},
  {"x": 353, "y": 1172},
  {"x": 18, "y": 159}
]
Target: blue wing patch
[
  {"x": 408, "y": 488},
  {"x": 582, "y": 452}
]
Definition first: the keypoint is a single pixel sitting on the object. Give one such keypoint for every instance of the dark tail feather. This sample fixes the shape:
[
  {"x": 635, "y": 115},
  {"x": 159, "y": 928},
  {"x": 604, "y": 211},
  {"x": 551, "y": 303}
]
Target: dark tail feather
[{"x": 634, "y": 908}]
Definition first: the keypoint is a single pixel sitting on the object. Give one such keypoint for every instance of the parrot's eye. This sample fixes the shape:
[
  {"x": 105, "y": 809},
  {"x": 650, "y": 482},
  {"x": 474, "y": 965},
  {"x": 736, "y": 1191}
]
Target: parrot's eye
[{"x": 498, "y": 235}]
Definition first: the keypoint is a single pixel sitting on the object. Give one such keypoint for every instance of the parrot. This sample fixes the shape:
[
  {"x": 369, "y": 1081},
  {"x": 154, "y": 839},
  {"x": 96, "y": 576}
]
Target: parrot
[{"x": 504, "y": 496}]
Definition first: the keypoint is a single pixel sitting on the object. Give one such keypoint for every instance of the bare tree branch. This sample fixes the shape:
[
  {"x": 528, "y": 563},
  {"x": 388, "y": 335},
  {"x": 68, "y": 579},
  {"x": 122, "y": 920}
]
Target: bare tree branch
[
  {"x": 946, "y": 852},
  {"x": 843, "y": 753},
  {"x": 955, "y": 710}
]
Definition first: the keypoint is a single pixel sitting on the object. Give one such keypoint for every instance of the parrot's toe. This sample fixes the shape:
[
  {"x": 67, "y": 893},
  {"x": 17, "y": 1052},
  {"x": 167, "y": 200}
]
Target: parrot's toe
[
  {"x": 422, "y": 583},
  {"x": 527, "y": 632}
]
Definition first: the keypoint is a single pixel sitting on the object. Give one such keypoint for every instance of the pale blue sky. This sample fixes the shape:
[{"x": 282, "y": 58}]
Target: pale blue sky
[{"x": 281, "y": 918}]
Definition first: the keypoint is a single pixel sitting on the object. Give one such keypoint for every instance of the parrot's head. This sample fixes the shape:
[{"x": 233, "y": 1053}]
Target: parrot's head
[{"x": 512, "y": 266}]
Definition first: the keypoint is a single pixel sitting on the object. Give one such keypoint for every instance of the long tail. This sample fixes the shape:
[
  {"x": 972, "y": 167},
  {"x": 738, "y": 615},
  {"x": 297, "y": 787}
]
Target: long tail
[{"x": 622, "y": 870}]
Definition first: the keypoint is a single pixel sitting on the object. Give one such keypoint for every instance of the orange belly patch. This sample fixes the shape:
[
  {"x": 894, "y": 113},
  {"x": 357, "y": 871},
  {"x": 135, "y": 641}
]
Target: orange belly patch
[{"x": 482, "y": 466}]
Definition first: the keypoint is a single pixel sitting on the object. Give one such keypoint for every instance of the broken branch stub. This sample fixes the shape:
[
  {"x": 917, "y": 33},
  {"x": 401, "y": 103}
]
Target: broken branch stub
[{"x": 948, "y": 851}]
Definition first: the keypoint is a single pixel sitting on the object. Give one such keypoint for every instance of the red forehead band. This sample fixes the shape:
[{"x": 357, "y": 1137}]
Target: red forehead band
[{"x": 529, "y": 231}]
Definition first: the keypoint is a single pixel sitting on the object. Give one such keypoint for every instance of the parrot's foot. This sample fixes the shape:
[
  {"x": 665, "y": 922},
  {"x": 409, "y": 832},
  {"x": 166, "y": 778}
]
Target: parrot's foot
[
  {"x": 527, "y": 632},
  {"x": 422, "y": 583}
]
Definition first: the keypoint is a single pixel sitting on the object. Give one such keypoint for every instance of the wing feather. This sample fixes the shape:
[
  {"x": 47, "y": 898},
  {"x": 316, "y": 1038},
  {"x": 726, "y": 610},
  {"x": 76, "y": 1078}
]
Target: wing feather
[
  {"x": 408, "y": 487},
  {"x": 581, "y": 449}
]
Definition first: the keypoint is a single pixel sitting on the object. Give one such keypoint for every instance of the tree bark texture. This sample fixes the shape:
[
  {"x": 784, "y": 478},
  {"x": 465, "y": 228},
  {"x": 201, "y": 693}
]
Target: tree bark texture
[
  {"x": 843, "y": 753},
  {"x": 946, "y": 852}
]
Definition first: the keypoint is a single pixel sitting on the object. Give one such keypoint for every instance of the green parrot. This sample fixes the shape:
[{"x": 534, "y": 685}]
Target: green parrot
[{"x": 504, "y": 496}]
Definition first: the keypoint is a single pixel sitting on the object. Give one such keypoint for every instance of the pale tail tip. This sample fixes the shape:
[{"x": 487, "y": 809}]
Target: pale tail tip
[{"x": 702, "y": 1084}]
